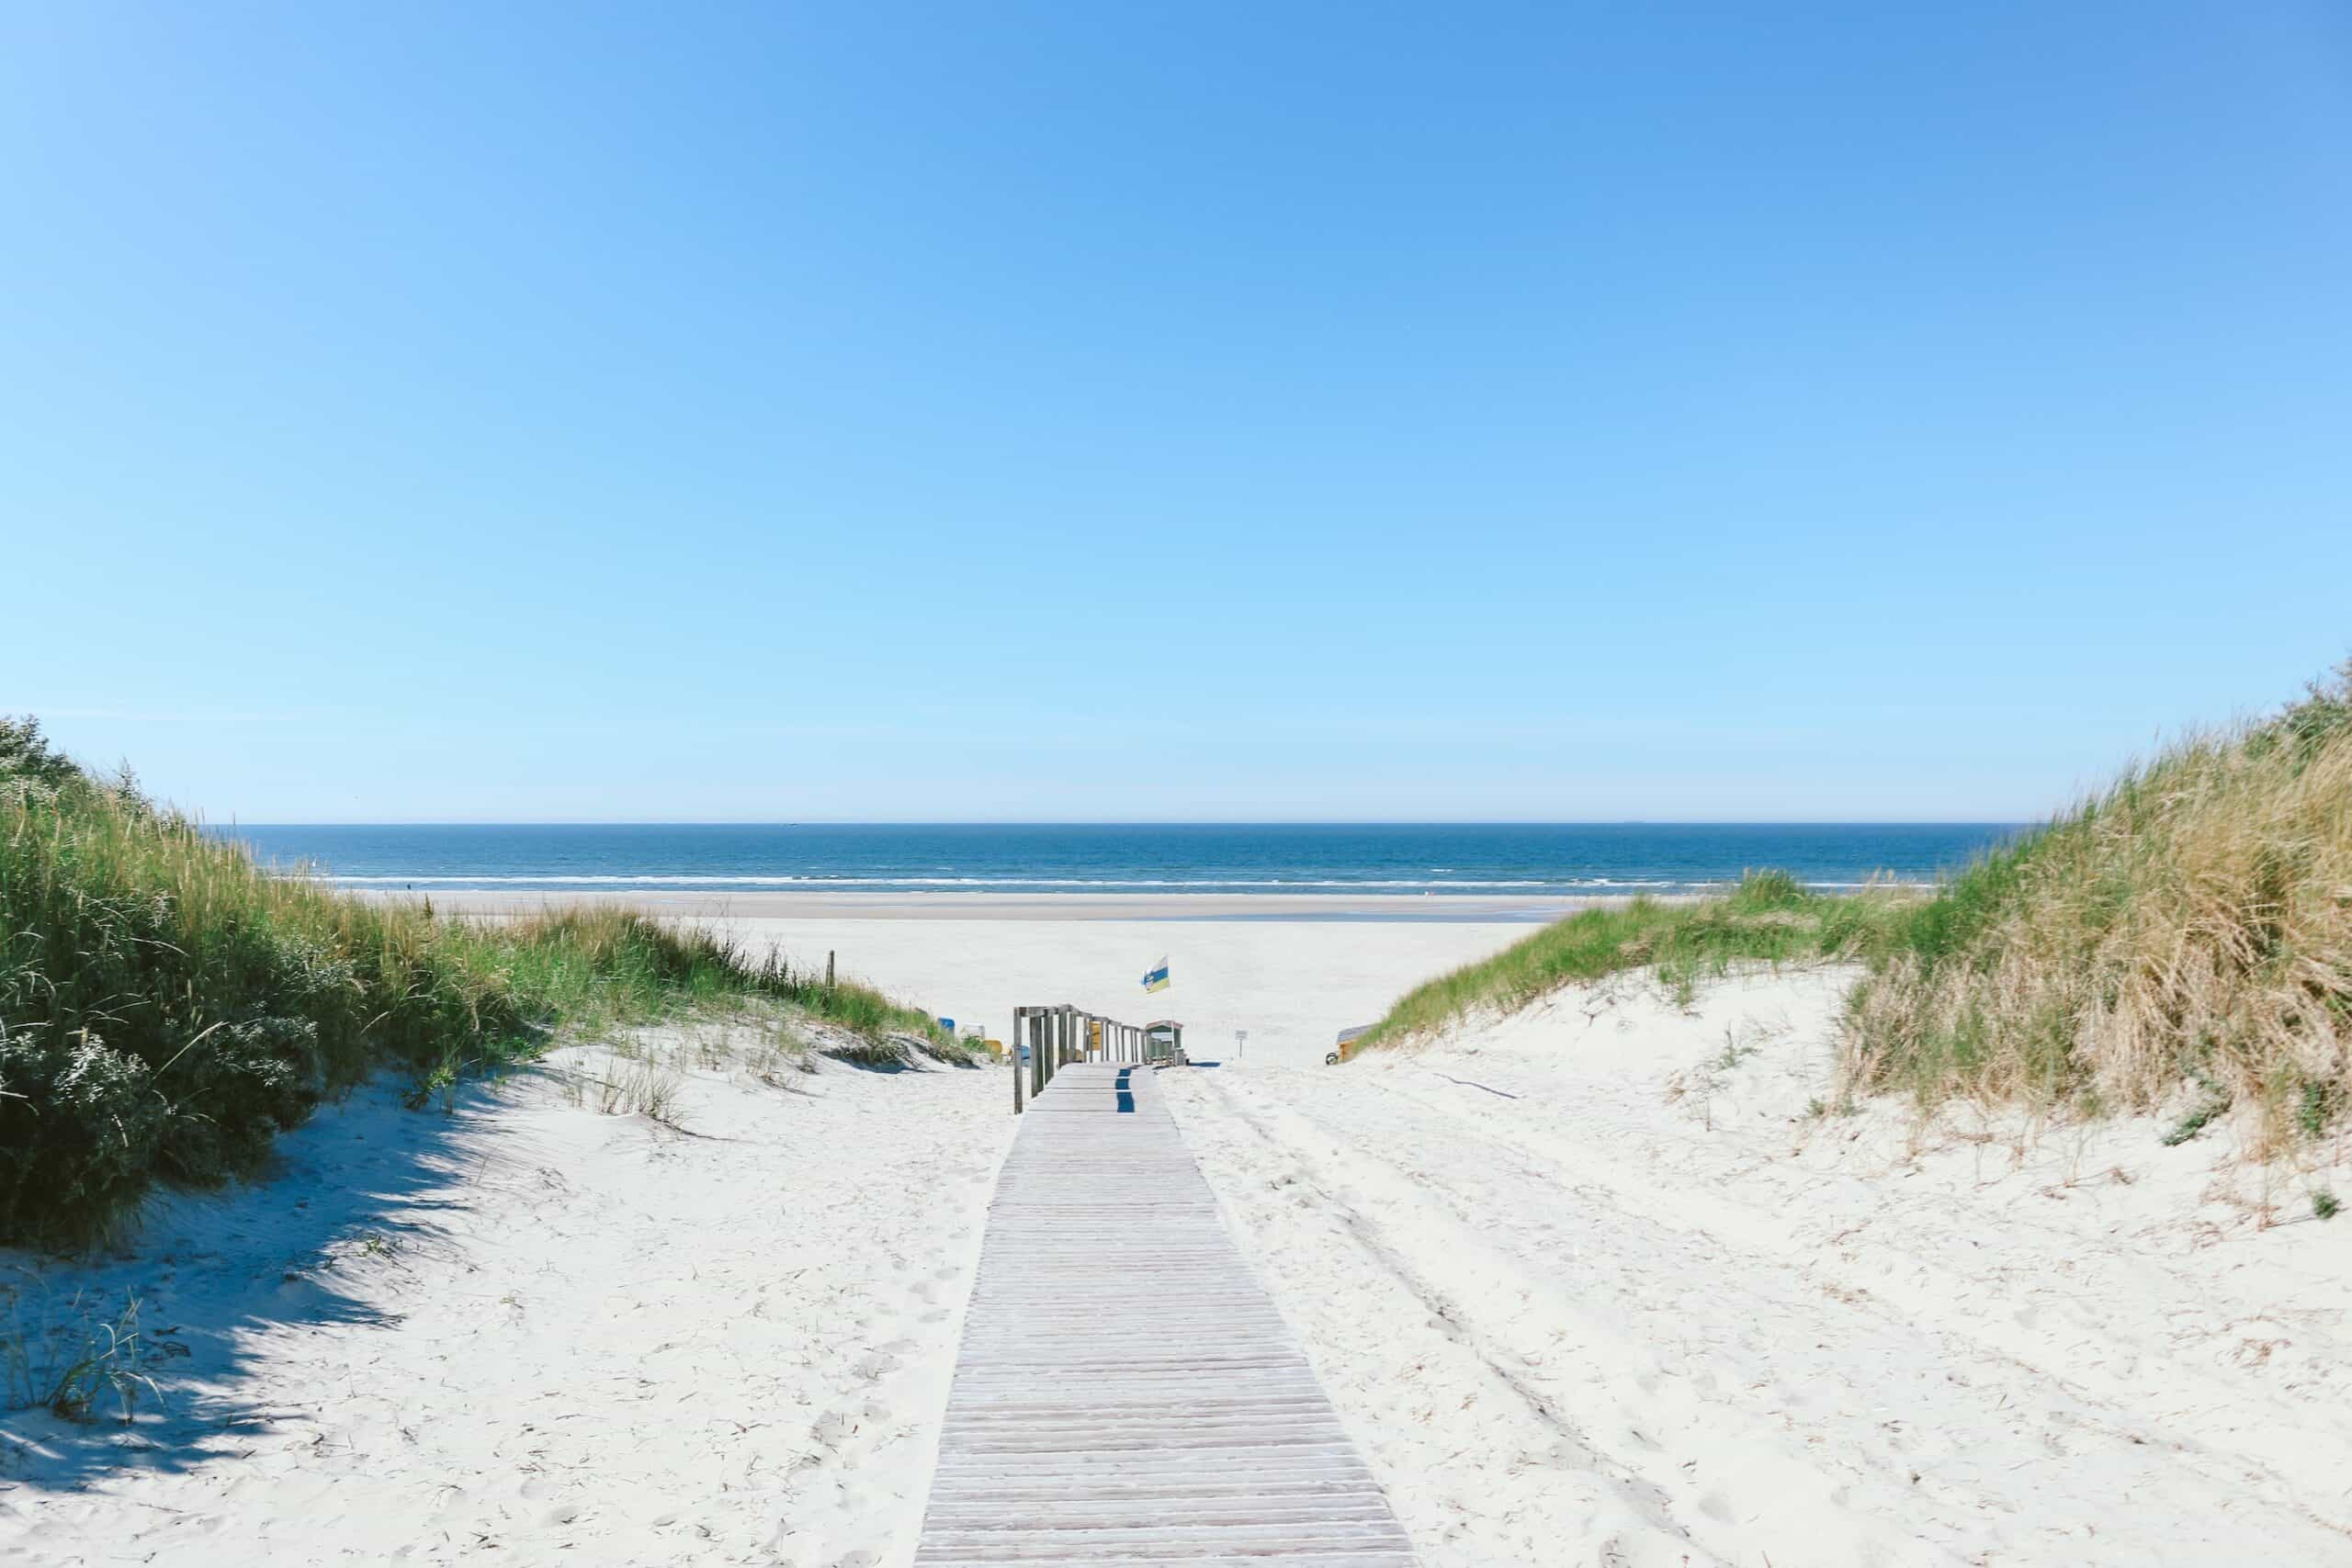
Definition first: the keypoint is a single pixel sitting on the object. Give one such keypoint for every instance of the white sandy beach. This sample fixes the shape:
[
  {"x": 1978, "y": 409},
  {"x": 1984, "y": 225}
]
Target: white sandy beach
[
  {"x": 1594, "y": 1285},
  {"x": 1292, "y": 972},
  {"x": 529, "y": 1333},
  {"x": 596, "y": 599},
  {"x": 1292, "y": 985},
  {"x": 1589, "y": 1285},
  {"x": 996, "y": 908},
  {"x": 530, "y": 1329}
]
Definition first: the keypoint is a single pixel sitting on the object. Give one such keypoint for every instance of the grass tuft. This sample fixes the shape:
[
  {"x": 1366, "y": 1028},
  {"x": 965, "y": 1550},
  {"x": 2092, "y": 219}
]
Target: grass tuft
[{"x": 68, "y": 1360}]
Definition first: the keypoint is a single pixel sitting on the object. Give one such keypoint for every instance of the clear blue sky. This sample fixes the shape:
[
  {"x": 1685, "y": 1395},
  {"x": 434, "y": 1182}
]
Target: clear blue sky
[{"x": 1260, "y": 411}]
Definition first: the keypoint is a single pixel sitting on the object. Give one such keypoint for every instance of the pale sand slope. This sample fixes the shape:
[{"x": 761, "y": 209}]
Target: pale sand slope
[
  {"x": 1592, "y": 1287},
  {"x": 527, "y": 1332},
  {"x": 1292, "y": 984},
  {"x": 530, "y": 1333}
]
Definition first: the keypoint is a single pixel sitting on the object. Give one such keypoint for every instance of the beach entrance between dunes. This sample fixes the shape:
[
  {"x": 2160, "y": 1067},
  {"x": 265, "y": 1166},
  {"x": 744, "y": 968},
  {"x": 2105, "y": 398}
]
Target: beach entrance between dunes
[{"x": 1126, "y": 1390}]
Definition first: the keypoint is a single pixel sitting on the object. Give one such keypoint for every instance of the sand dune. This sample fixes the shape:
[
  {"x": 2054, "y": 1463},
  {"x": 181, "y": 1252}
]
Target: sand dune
[
  {"x": 1593, "y": 1285},
  {"x": 528, "y": 1333},
  {"x": 528, "y": 1329}
]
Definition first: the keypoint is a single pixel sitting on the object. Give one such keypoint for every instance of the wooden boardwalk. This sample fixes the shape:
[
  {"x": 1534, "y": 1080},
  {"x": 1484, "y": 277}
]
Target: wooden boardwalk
[{"x": 1126, "y": 1391}]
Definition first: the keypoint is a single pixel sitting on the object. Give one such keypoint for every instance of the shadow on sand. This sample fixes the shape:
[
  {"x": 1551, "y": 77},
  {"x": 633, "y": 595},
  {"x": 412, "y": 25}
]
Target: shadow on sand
[{"x": 219, "y": 1276}]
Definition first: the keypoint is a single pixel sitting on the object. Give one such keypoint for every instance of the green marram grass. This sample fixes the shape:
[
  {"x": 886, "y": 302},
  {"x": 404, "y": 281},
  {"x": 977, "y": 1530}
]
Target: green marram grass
[
  {"x": 2182, "y": 938},
  {"x": 166, "y": 1006},
  {"x": 1769, "y": 919},
  {"x": 2183, "y": 935}
]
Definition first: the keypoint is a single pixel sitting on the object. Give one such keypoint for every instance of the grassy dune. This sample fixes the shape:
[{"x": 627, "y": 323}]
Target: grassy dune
[
  {"x": 166, "y": 1006},
  {"x": 1767, "y": 918},
  {"x": 2187, "y": 931}
]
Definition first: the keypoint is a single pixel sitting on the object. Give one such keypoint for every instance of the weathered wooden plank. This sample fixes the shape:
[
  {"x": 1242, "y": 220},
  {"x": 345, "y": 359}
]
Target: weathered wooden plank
[{"x": 1125, "y": 1391}]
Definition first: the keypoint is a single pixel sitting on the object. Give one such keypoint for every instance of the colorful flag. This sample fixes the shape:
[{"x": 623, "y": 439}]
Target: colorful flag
[{"x": 1157, "y": 979}]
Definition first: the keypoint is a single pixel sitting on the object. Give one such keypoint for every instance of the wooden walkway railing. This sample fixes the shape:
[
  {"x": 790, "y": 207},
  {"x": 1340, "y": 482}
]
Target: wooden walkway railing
[
  {"x": 1125, "y": 1391},
  {"x": 1046, "y": 1039}
]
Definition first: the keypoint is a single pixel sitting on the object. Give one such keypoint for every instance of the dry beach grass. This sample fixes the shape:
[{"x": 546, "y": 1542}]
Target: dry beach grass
[
  {"x": 2186, "y": 934},
  {"x": 2189, "y": 929}
]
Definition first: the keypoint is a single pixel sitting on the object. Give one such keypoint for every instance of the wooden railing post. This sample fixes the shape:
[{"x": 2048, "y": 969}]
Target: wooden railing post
[{"x": 1054, "y": 1037}]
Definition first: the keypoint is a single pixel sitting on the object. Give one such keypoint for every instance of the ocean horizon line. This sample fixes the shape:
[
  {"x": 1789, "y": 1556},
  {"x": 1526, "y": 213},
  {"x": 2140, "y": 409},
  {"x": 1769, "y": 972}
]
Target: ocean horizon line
[
  {"x": 1285, "y": 823},
  {"x": 1494, "y": 861}
]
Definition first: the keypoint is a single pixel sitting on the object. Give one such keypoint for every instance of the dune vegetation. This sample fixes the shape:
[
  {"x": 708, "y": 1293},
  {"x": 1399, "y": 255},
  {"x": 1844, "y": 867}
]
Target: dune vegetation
[
  {"x": 167, "y": 1006},
  {"x": 1770, "y": 918},
  {"x": 2188, "y": 931},
  {"x": 2185, "y": 935}
]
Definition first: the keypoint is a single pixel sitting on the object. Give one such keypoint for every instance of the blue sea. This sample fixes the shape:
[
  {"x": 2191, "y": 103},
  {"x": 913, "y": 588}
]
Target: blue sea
[{"x": 1562, "y": 860}]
